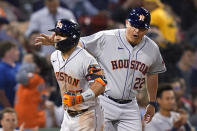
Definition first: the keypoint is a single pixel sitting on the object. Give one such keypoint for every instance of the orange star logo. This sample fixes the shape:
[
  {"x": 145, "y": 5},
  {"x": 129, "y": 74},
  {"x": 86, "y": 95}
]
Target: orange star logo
[
  {"x": 141, "y": 18},
  {"x": 59, "y": 24}
]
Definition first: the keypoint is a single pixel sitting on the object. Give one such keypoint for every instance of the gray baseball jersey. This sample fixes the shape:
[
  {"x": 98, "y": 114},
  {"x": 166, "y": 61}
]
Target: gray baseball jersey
[
  {"x": 125, "y": 66},
  {"x": 71, "y": 73},
  {"x": 162, "y": 123},
  {"x": 71, "y": 76}
]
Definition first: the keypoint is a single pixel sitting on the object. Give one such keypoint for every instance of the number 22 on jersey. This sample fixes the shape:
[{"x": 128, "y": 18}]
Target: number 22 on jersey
[{"x": 139, "y": 82}]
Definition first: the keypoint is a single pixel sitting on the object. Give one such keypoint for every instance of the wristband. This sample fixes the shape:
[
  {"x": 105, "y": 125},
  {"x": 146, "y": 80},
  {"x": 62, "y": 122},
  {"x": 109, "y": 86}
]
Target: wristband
[
  {"x": 153, "y": 103},
  {"x": 187, "y": 127},
  {"x": 173, "y": 129},
  {"x": 88, "y": 94}
]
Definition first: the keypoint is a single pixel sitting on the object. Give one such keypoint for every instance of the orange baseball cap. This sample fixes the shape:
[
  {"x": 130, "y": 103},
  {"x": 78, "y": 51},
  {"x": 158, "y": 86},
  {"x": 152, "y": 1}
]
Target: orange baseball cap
[{"x": 3, "y": 19}]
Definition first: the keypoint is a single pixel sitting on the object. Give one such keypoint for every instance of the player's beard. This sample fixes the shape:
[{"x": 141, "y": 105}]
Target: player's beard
[{"x": 65, "y": 45}]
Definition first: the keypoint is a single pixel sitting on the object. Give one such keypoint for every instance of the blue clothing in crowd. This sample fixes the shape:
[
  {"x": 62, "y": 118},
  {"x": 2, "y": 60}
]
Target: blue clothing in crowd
[{"x": 8, "y": 81}]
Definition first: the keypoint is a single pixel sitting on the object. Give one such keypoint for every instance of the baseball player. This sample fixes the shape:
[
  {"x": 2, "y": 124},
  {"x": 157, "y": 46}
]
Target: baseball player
[
  {"x": 80, "y": 79},
  {"x": 129, "y": 59}
]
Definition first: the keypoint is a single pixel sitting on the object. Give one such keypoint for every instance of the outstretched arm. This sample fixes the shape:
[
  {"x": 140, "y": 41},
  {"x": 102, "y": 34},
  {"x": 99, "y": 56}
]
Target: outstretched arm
[{"x": 44, "y": 39}]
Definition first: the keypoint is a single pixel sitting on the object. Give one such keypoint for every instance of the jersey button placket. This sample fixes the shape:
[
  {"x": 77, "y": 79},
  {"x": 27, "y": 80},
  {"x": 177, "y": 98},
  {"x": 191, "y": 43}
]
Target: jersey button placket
[{"x": 132, "y": 54}]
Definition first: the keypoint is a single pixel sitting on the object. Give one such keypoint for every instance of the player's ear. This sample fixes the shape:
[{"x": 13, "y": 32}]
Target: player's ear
[{"x": 127, "y": 23}]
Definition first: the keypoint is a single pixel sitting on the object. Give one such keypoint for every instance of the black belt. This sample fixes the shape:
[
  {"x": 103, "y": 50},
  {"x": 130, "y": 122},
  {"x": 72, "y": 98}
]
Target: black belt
[
  {"x": 75, "y": 113},
  {"x": 120, "y": 101}
]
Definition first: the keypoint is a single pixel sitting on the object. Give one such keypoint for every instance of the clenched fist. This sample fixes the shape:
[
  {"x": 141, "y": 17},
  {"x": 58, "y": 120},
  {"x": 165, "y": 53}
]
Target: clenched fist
[{"x": 71, "y": 100}]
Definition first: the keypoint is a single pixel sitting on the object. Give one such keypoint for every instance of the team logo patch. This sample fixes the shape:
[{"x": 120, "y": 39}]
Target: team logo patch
[
  {"x": 94, "y": 68},
  {"x": 141, "y": 18},
  {"x": 59, "y": 24}
]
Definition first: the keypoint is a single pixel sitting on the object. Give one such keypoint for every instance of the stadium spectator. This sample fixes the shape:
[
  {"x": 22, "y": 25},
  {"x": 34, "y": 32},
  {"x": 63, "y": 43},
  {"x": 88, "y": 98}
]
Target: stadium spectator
[
  {"x": 12, "y": 13},
  {"x": 193, "y": 117},
  {"x": 45, "y": 18},
  {"x": 120, "y": 11},
  {"x": 166, "y": 119},
  {"x": 171, "y": 55},
  {"x": 8, "y": 32},
  {"x": 193, "y": 79},
  {"x": 162, "y": 19},
  {"x": 184, "y": 66},
  {"x": 93, "y": 24},
  {"x": 31, "y": 94},
  {"x": 9, "y": 54},
  {"x": 81, "y": 7},
  {"x": 3, "y": 21},
  {"x": 155, "y": 34},
  {"x": 186, "y": 10},
  {"x": 102, "y": 4},
  {"x": 29, "y": 47},
  {"x": 178, "y": 85},
  {"x": 54, "y": 115},
  {"x": 8, "y": 120}
]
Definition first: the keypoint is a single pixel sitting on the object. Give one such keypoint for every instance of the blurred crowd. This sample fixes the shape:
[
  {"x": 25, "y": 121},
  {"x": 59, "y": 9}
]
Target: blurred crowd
[{"x": 27, "y": 82}]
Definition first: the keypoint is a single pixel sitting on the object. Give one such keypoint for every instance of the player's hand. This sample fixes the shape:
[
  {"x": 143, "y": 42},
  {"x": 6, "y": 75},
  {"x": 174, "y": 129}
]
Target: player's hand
[
  {"x": 71, "y": 100},
  {"x": 178, "y": 122},
  {"x": 45, "y": 39},
  {"x": 150, "y": 111},
  {"x": 181, "y": 120},
  {"x": 183, "y": 115}
]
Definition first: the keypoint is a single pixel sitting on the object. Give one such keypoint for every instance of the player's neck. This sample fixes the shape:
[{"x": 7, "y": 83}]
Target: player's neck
[
  {"x": 68, "y": 53},
  {"x": 164, "y": 112},
  {"x": 132, "y": 43}
]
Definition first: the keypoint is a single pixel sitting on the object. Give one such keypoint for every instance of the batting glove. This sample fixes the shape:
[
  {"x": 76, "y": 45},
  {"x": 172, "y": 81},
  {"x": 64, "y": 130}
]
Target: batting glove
[{"x": 71, "y": 100}]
